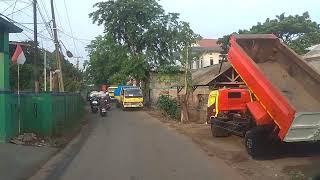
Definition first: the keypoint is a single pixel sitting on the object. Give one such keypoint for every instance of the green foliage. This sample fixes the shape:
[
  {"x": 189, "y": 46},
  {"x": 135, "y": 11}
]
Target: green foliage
[
  {"x": 142, "y": 33},
  {"x": 299, "y": 32},
  {"x": 107, "y": 61},
  {"x": 168, "y": 107},
  {"x": 298, "y": 175},
  {"x": 72, "y": 76}
]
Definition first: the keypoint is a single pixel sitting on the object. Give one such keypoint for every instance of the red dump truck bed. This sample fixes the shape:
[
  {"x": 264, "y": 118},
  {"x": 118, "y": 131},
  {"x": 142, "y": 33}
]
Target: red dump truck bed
[{"x": 286, "y": 86}]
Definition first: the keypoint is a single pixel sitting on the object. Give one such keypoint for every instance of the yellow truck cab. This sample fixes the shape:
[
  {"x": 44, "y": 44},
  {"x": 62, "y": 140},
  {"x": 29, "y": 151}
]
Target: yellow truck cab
[{"x": 131, "y": 98}]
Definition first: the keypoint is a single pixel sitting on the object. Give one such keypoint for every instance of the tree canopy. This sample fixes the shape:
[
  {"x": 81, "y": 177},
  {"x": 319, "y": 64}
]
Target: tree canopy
[
  {"x": 298, "y": 31},
  {"x": 138, "y": 37},
  {"x": 72, "y": 76}
]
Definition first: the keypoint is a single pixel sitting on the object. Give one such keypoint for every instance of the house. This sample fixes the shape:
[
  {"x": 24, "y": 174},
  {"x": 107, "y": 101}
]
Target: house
[
  {"x": 313, "y": 57},
  {"x": 209, "y": 53}
]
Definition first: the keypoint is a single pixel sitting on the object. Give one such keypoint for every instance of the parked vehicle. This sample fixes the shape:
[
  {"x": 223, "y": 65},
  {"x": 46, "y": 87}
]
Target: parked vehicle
[
  {"x": 131, "y": 98},
  {"x": 111, "y": 90},
  {"x": 117, "y": 94},
  {"x": 281, "y": 99}
]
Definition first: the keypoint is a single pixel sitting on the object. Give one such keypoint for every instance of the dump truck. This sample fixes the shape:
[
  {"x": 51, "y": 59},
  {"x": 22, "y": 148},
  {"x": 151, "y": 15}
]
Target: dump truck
[
  {"x": 129, "y": 97},
  {"x": 279, "y": 102}
]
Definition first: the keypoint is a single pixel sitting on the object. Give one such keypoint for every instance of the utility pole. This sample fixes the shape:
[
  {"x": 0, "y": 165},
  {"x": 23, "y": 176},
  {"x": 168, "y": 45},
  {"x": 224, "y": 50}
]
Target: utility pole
[
  {"x": 35, "y": 39},
  {"x": 57, "y": 46}
]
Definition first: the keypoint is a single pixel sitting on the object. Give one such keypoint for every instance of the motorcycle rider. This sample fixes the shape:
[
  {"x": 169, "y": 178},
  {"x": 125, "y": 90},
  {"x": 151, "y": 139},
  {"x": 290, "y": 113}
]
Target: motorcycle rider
[{"x": 105, "y": 101}]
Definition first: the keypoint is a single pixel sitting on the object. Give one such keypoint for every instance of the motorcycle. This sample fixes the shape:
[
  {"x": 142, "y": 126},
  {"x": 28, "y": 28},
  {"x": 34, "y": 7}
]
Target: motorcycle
[
  {"x": 94, "y": 105},
  {"x": 105, "y": 105},
  {"x": 103, "y": 112}
]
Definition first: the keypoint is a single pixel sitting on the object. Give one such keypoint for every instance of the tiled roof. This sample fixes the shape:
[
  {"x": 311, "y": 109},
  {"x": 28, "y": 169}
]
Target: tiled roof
[{"x": 208, "y": 45}]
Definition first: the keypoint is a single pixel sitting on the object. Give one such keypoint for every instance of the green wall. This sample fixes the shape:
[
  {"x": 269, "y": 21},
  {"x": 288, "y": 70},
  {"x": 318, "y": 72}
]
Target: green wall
[{"x": 46, "y": 114}]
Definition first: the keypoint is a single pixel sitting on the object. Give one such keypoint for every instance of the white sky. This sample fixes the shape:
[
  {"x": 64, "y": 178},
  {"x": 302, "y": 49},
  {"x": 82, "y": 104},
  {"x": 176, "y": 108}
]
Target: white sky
[{"x": 209, "y": 18}]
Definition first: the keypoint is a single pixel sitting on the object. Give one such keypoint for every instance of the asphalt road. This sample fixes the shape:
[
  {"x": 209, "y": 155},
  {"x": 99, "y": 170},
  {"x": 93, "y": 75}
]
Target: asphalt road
[{"x": 132, "y": 145}]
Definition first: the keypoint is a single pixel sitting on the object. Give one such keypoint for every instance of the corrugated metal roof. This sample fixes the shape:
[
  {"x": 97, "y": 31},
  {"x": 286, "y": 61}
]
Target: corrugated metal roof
[
  {"x": 204, "y": 76},
  {"x": 6, "y": 26}
]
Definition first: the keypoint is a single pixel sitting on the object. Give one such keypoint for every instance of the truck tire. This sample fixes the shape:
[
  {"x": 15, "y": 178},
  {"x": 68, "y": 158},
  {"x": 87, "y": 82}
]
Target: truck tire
[
  {"x": 256, "y": 142},
  {"x": 218, "y": 130}
]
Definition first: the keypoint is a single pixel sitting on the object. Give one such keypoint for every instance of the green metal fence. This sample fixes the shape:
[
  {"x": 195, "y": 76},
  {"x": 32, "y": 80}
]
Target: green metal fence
[{"x": 46, "y": 114}]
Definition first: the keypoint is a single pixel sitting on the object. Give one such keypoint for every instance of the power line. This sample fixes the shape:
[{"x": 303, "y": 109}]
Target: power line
[
  {"x": 19, "y": 11},
  {"x": 75, "y": 47},
  {"x": 15, "y": 3},
  {"x": 45, "y": 10},
  {"x": 22, "y": 1},
  {"x": 13, "y": 12},
  {"x": 30, "y": 23},
  {"x": 76, "y": 38},
  {"x": 23, "y": 26},
  {"x": 57, "y": 12},
  {"x": 47, "y": 26},
  {"x": 10, "y": 5}
]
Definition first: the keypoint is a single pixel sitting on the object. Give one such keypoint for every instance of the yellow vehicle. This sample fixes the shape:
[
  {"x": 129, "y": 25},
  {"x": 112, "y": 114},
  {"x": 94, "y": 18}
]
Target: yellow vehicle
[
  {"x": 111, "y": 90},
  {"x": 131, "y": 98}
]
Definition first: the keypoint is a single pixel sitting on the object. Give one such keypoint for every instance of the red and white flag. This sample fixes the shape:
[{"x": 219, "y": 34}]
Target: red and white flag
[{"x": 18, "y": 56}]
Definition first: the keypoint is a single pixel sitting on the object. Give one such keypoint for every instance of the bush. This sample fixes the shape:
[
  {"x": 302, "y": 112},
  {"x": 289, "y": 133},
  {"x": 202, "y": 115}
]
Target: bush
[{"x": 168, "y": 107}]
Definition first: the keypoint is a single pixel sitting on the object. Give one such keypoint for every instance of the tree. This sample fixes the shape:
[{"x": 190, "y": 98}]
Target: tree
[
  {"x": 299, "y": 32},
  {"x": 108, "y": 61},
  {"x": 150, "y": 38},
  {"x": 143, "y": 28},
  {"x": 72, "y": 76}
]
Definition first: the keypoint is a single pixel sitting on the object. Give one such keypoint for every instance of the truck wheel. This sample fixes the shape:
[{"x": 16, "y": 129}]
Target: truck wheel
[
  {"x": 123, "y": 108},
  {"x": 256, "y": 142},
  {"x": 218, "y": 130}
]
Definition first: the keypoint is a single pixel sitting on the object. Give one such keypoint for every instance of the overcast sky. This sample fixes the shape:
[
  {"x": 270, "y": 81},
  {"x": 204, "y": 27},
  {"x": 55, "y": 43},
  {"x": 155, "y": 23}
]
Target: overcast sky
[{"x": 209, "y": 18}]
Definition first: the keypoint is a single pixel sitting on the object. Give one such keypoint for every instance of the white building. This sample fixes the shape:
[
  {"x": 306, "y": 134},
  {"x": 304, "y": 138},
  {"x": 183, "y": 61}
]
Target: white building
[{"x": 209, "y": 50}]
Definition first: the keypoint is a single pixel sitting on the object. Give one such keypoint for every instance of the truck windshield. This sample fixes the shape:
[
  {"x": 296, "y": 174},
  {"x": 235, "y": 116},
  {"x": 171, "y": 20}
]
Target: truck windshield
[
  {"x": 132, "y": 93},
  {"x": 112, "y": 89}
]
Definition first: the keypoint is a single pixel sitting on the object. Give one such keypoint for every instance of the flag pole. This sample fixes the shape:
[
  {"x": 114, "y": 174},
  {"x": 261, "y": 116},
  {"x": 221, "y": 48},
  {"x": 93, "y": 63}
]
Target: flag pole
[
  {"x": 19, "y": 99},
  {"x": 45, "y": 70}
]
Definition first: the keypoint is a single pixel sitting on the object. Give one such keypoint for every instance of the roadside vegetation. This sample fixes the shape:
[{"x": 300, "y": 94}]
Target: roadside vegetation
[
  {"x": 71, "y": 75},
  {"x": 169, "y": 107}
]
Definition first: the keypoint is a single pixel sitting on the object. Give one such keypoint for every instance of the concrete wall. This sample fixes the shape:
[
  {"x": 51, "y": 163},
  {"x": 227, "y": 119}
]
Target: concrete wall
[
  {"x": 163, "y": 84},
  {"x": 198, "y": 105}
]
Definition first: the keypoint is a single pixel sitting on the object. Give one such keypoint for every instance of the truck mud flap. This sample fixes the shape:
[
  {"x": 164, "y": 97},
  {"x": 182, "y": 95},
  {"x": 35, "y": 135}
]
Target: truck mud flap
[{"x": 305, "y": 127}]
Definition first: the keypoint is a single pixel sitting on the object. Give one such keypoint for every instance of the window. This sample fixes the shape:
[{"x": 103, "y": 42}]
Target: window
[
  {"x": 211, "y": 61},
  {"x": 234, "y": 95}
]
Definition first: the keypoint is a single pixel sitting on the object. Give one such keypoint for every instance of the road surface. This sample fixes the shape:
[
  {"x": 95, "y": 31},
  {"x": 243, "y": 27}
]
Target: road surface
[{"x": 132, "y": 145}]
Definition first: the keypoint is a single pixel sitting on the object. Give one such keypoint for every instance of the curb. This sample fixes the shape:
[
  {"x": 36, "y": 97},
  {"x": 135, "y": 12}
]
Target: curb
[{"x": 56, "y": 165}]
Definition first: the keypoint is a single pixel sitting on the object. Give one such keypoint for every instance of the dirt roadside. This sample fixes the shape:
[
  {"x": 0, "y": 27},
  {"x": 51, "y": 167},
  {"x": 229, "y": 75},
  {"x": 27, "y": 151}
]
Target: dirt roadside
[{"x": 297, "y": 163}]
